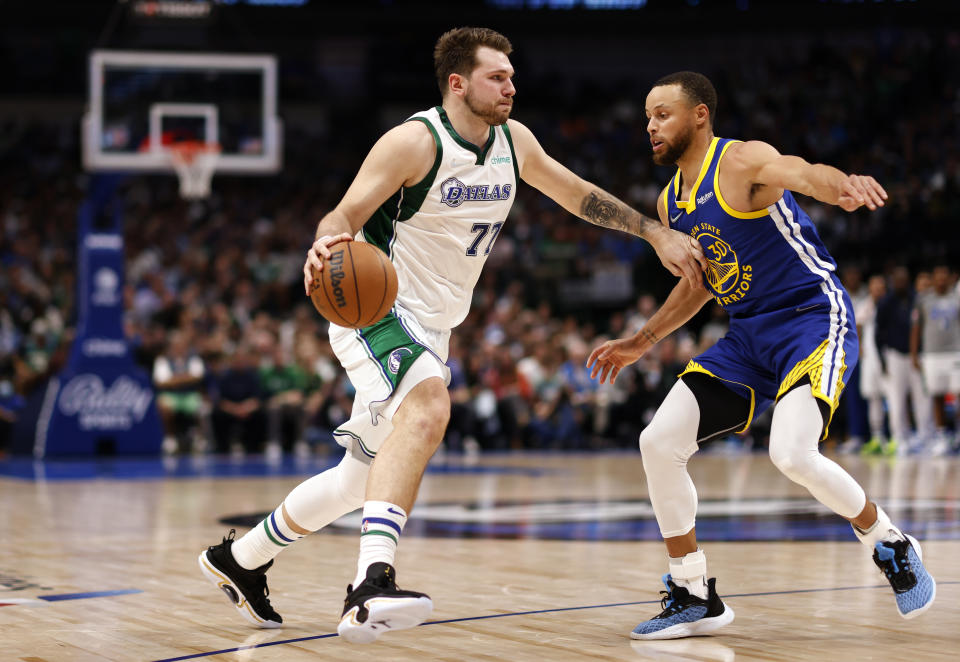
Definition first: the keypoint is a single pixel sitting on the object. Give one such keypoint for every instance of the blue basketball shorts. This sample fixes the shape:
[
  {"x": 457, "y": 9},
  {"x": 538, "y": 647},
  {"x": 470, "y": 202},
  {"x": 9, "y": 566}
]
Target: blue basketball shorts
[{"x": 762, "y": 356}]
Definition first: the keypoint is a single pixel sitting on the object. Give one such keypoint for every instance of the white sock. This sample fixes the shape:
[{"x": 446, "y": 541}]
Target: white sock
[
  {"x": 323, "y": 498},
  {"x": 264, "y": 541},
  {"x": 882, "y": 529},
  {"x": 690, "y": 572},
  {"x": 382, "y": 524},
  {"x": 312, "y": 504}
]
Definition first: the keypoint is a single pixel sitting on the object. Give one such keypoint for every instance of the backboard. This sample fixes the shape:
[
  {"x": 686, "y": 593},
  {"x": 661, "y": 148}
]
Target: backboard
[{"x": 140, "y": 102}]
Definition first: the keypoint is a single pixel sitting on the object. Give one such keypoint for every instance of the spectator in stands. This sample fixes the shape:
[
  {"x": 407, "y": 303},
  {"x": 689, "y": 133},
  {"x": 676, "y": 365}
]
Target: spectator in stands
[
  {"x": 286, "y": 387},
  {"x": 178, "y": 375},
  {"x": 239, "y": 420},
  {"x": 11, "y": 402}
]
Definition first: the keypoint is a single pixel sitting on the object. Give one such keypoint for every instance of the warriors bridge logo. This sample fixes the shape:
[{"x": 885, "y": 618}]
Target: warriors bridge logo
[
  {"x": 729, "y": 280},
  {"x": 454, "y": 193}
]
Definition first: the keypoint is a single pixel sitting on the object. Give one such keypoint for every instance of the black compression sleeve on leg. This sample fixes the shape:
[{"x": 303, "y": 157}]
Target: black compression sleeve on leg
[{"x": 721, "y": 410}]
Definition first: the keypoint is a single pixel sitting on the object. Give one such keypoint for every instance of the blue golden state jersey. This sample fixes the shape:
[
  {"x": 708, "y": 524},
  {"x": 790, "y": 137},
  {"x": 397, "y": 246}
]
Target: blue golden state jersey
[{"x": 758, "y": 261}]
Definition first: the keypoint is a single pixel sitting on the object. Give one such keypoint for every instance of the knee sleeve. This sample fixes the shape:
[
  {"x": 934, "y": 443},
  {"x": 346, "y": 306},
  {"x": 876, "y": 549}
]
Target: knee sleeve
[
  {"x": 794, "y": 449},
  {"x": 665, "y": 446},
  {"x": 319, "y": 500}
]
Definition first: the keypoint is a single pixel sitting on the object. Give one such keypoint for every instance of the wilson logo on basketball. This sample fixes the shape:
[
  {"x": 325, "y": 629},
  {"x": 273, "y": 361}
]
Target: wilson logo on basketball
[{"x": 336, "y": 277}]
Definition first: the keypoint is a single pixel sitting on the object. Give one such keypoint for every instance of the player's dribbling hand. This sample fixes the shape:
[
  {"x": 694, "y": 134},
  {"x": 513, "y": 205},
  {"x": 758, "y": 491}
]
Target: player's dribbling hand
[
  {"x": 682, "y": 256},
  {"x": 859, "y": 190},
  {"x": 612, "y": 356},
  {"x": 319, "y": 252}
]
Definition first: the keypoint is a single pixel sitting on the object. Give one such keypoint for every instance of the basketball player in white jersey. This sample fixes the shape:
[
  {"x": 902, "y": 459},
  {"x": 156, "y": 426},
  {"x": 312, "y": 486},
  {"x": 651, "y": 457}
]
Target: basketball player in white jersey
[{"x": 433, "y": 193}]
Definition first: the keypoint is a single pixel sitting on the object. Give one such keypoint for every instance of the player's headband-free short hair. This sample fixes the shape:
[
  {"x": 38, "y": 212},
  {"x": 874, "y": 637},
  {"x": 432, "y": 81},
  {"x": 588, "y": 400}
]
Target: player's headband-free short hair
[{"x": 456, "y": 51}]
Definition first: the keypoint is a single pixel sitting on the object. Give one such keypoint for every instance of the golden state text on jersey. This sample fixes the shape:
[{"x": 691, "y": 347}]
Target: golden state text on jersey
[{"x": 758, "y": 261}]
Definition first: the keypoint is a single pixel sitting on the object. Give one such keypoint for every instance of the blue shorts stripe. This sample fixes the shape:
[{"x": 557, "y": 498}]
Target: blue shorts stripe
[
  {"x": 384, "y": 521},
  {"x": 834, "y": 357}
]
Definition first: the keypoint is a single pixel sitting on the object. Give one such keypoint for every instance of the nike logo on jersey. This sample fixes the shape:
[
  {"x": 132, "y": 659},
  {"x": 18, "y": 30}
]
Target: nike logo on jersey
[
  {"x": 456, "y": 163},
  {"x": 674, "y": 219}
]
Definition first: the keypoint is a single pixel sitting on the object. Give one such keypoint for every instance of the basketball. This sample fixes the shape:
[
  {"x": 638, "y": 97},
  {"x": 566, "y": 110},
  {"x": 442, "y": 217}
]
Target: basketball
[{"x": 357, "y": 285}]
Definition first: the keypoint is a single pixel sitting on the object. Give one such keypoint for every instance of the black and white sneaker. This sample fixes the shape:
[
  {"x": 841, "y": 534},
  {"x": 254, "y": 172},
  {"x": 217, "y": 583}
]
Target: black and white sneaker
[
  {"x": 684, "y": 614},
  {"x": 377, "y": 606},
  {"x": 246, "y": 589}
]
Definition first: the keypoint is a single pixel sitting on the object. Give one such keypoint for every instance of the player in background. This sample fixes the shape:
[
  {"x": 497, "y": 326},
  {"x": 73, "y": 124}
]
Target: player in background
[
  {"x": 935, "y": 349},
  {"x": 433, "y": 193},
  {"x": 871, "y": 370},
  {"x": 791, "y": 341},
  {"x": 901, "y": 377}
]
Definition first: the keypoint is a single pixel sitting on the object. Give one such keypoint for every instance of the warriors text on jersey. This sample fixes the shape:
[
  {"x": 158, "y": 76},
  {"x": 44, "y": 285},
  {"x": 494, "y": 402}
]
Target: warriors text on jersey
[{"x": 439, "y": 232}]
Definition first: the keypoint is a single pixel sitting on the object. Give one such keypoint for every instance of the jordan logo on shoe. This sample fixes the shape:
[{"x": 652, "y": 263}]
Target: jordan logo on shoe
[{"x": 232, "y": 594}]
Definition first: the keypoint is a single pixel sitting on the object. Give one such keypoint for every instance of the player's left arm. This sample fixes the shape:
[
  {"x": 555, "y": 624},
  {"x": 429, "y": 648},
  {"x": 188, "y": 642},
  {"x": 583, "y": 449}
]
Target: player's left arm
[
  {"x": 679, "y": 253},
  {"x": 761, "y": 164}
]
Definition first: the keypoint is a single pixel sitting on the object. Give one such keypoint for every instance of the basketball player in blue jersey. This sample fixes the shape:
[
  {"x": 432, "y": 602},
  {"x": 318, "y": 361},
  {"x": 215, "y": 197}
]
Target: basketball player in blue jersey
[
  {"x": 433, "y": 193},
  {"x": 792, "y": 341}
]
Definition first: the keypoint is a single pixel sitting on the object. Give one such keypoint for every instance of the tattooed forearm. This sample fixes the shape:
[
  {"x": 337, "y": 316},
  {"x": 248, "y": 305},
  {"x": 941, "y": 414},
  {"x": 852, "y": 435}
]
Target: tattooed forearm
[
  {"x": 605, "y": 210},
  {"x": 650, "y": 336}
]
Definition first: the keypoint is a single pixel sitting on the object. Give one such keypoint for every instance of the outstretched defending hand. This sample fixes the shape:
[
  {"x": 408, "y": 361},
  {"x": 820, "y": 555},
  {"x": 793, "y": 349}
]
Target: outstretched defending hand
[
  {"x": 610, "y": 357},
  {"x": 858, "y": 190},
  {"x": 682, "y": 256},
  {"x": 319, "y": 252}
]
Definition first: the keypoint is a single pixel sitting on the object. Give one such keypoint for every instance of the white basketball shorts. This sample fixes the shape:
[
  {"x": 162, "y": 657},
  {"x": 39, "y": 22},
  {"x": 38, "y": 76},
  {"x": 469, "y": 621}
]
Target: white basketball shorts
[
  {"x": 384, "y": 362},
  {"x": 941, "y": 372}
]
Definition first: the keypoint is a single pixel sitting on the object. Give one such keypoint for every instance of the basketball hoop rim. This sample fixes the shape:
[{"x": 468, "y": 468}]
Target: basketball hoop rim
[
  {"x": 194, "y": 162},
  {"x": 186, "y": 151}
]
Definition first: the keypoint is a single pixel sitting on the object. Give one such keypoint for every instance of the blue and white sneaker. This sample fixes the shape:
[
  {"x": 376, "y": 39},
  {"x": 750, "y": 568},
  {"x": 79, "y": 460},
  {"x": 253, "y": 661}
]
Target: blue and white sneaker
[
  {"x": 902, "y": 563},
  {"x": 685, "y": 615}
]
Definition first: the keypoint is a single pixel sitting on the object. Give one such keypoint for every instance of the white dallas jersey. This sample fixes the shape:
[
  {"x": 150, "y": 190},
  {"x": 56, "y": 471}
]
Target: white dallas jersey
[{"x": 439, "y": 232}]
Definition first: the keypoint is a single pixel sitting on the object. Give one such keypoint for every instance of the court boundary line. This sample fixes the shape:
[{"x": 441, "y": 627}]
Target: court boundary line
[
  {"x": 89, "y": 594},
  {"x": 531, "y": 613}
]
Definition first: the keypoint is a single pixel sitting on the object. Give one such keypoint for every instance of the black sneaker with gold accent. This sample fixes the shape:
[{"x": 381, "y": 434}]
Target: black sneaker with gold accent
[
  {"x": 246, "y": 589},
  {"x": 377, "y": 606}
]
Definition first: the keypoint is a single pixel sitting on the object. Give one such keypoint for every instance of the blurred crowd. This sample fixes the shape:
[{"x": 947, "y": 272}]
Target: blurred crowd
[{"x": 216, "y": 312}]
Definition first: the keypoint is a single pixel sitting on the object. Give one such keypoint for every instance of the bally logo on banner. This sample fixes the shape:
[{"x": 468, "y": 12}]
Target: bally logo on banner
[{"x": 98, "y": 408}]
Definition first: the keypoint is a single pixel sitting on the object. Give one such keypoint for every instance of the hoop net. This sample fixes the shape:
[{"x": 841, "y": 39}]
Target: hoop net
[{"x": 194, "y": 163}]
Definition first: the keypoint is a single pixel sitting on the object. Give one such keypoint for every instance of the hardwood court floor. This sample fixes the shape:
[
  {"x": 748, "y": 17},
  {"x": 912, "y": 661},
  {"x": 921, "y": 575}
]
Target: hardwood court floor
[{"x": 532, "y": 557}]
